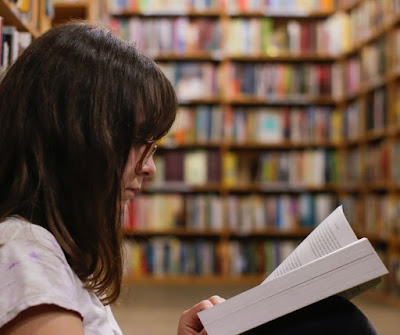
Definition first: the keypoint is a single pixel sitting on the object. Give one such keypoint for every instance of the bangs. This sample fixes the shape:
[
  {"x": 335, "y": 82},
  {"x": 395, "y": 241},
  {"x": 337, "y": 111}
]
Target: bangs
[{"x": 157, "y": 105}]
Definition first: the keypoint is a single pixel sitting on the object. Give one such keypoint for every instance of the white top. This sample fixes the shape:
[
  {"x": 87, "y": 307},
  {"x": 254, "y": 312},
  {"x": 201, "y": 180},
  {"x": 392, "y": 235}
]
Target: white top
[{"x": 34, "y": 271}]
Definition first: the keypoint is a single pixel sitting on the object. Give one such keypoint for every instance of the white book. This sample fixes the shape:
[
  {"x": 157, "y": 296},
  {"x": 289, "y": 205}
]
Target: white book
[{"x": 330, "y": 261}]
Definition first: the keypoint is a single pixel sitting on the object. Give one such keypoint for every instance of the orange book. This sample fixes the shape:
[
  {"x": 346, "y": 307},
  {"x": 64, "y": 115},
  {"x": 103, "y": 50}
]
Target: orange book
[{"x": 326, "y": 5}]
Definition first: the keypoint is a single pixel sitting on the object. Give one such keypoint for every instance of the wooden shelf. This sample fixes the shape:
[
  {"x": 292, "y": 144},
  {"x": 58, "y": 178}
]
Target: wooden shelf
[
  {"x": 284, "y": 15},
  {"x": 351, "y": 6},
  {"x": 201, "y": 101},
  {"x": 196, "y": 280},
  {"x": 188, "y": 232},
  {"x": 156, "y": 14},
  {"x": 12, "y": 16},
  {"x": 286, "y": 145},
  {"x": 219, "y": 12},
  {"x": 283, "y": 145},
  {"x": 282, "y": 101},
  {"x": 182, "y": 187},
  {"x": 256, "y": 101},
  {"x": 181, "y": 232},
  {"x": 65, "y": 11},
  {"x": 376, "y": 33},
  {"x": 298, "y": 233},
  {"x": 189, "y": 56},
  {"x": 189, "y": 145},
  {"x": 279, "y": 188},
  {"x": 282, "y": 58},
  {"x": 371, "y": 86},
  {"x": 218, "y": 56}
]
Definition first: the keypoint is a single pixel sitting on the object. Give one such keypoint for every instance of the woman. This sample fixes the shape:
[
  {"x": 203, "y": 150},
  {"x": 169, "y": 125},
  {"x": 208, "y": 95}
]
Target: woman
[{"x": 80, "y": 112}]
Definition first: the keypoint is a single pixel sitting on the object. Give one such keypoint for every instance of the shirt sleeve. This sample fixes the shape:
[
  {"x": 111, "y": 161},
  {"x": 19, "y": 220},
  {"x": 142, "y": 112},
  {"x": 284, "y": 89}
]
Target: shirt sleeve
[{"x": 33, "y": 271}]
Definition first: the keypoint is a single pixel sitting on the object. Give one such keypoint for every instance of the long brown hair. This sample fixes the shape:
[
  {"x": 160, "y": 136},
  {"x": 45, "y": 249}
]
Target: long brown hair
[{"x": 71, "y": 108}]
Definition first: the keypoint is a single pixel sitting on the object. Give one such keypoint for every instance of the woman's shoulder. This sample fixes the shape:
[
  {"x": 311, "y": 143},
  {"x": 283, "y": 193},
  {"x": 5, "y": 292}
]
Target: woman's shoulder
[
  {"x": 20, "y": 230},
  {"x": 33, "y": 269}
]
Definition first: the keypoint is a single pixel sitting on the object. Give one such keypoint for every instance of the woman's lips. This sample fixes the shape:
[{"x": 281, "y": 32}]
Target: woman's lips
[{"x": 130, "y": 191}]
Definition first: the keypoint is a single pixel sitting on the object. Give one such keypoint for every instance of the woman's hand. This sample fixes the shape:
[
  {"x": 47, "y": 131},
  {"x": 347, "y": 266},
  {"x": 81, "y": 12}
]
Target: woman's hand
[{"x": 190, "y": 324}]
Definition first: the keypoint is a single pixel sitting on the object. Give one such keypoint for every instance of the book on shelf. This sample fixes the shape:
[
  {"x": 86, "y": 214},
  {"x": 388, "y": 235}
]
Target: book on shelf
[{"x": 330, "y": 261}]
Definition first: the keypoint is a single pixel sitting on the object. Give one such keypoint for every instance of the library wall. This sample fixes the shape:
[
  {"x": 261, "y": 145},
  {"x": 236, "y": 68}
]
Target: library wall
[{"x": 285, "y": 113}]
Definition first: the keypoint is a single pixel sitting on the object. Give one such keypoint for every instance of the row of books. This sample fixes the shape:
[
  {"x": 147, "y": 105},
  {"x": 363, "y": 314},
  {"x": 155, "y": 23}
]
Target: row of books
[
  {"x": 240, "y": 125},
  {"x": 213, "y": 124},
  {"x": 237, "y": 214},
  {"x": 196, "y": 124},
  {"x": 192, "y": 167},
  {"x": 370, "y": 15},
  {"x": 340, "y": 31},
  {"x": 193, "y": 80},
  {"x": 269, "y": 37},
  {"x": 359, "y": 118},
  {"x": 302, "y": 167},
  {"x": 162, "y": 6},
  {"x": 161, "y": 257},
  {"x": 274, "y": 82},
  {"x": 365, "y": 68},
  {"x": 280, "y": 169},
  {"x": 178, "y": 35},
  {"x": 276, "y": 125},
  {"x": 163, "y": 212},
  {"x": 183, "y": 6},
  {"x": 171, "y": 257},
  {"x": 377, "y": 162},
  {"x": 255, "y": 213},
  {"x": 373, "y": 214},
  {"x": 196, "y": 80},
  {"x": 280, "y": 80},
  {"x": 13, "y": 43},
  {"x": 254, "y": 36},
  {"x": 256, "y": 258},
  {"x": 287, "y": 7}
]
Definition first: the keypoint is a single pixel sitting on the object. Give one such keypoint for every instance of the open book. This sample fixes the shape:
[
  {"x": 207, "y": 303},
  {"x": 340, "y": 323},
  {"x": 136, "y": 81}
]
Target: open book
[{"x": 330, "y": 261}]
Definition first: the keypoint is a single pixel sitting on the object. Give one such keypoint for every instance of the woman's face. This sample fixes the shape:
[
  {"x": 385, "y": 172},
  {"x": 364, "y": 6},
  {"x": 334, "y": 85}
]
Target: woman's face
[{"x": 135, "y": 171}]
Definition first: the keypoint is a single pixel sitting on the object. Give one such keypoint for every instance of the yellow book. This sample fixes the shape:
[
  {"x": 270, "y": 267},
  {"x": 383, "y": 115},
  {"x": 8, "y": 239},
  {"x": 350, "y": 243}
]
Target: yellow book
[
  {"x": 336, "y": 126},
  {"x": 24, "y": 5},
  {"x": 230, "y": 168}
]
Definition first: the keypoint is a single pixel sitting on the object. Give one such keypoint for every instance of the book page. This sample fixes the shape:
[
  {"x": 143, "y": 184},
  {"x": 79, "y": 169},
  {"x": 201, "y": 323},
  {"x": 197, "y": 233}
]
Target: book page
[{"x": 332, "y": 234}]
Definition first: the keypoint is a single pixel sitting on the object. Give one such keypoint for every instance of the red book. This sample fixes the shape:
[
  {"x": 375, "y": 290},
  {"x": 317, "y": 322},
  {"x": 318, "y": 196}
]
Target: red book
[{"x": 174, "y": 165}]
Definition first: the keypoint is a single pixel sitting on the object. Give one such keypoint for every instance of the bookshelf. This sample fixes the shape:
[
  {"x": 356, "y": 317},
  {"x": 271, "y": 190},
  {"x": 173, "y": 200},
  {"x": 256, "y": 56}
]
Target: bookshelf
[
  {"x": 20, "y": 22},
  {"x": 66, "y": 10},
  {"x": 27, "y": 16},
  {"x": 283, "y": 115}
]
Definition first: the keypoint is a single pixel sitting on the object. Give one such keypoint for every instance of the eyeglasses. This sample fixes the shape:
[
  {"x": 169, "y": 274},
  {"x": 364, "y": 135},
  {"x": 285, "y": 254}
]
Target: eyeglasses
[{"x": 148, "y": 152}]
